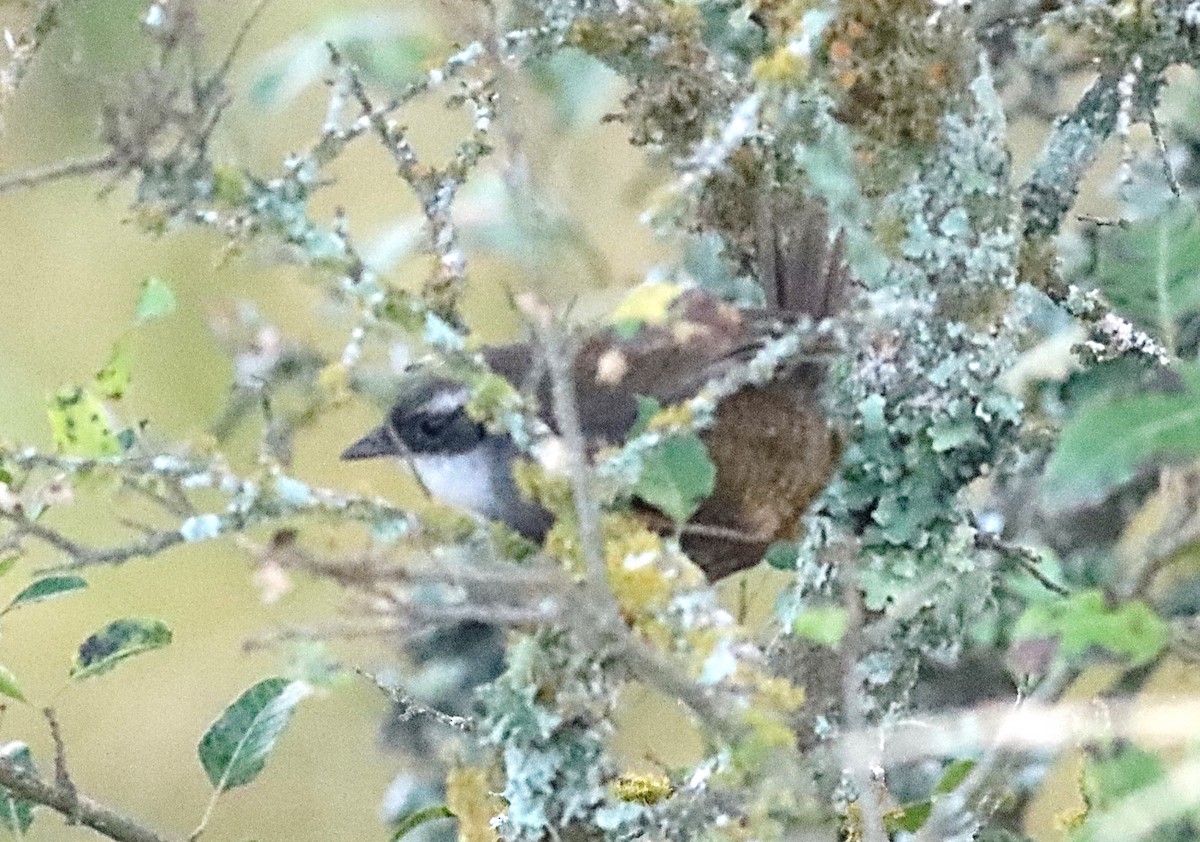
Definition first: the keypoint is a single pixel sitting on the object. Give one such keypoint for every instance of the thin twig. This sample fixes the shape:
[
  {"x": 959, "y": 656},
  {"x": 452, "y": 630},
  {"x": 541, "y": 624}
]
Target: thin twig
[
  {"x": 560, "y": 360},
  {"x": 1168, "y": 172},
  {"x": 37, "y": 176},
  {"x": 1023, "y": 557},
  {"x": 24, "y": 48},
  {"x": 345, "y": 630},
  {"x": 82, "y": 555},
  {"x": 62, "y": 778},
  {"x": 411, "y": 708},
  {"x": 235, "y": 46}
]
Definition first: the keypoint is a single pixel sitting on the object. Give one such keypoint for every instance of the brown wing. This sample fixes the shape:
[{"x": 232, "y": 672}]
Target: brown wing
[
  {"x": 668, "y": 362},
  {"x": 772, "y": 448}
]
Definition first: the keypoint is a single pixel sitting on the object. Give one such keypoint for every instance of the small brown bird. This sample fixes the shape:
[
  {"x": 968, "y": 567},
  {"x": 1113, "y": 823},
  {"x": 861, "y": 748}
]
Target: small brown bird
[{"x": 771, "y": 445}]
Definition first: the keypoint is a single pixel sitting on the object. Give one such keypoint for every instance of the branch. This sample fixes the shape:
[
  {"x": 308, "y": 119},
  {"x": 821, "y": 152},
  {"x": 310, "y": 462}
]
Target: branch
[
  {"x": 1069, "y": 153},
  {"x": 26, "y": 785},
  {"x": 85, "y": 556},
  {"x": 37, "y": 176},
  {"x": 1022, "y": 557},
  {"x": 870, "y": 812},
  {"x": 560, "y": 360},
  {"x": 411, "y": 708},
  {"x": 24, "y": 47}
]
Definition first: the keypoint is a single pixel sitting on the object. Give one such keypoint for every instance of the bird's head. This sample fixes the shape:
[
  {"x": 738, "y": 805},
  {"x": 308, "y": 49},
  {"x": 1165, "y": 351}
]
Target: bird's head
[{"x": 428, "y": 418}]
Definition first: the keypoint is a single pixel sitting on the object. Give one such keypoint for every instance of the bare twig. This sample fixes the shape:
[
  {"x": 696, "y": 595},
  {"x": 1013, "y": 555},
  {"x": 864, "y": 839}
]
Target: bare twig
[
  {"x": 1163, "y": 157},
  {"x": 1023, "y": 557},
  {"x": 81, "y": 555},
  {"x": 412, "y": 708},
  {"x": 24, "y": 784},
  {"x": 235, "y": 46},
  {"x": 560, "y": 359},
  {"x": 62, "y": 778},
  {"x": 57, "y": 171},
  {"x": 345, "y": 630},
  {"x": 24, "y": 47}
]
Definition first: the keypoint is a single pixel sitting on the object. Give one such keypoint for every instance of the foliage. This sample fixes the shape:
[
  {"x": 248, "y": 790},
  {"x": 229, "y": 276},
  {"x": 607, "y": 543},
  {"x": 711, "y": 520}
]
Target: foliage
[{"x": 1013, "y": 397}]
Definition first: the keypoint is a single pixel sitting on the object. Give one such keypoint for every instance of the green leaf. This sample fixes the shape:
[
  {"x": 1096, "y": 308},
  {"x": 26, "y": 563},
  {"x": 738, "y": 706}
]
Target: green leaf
[
  {"x": 1117, "y": 774},
  {"x": 117, "y": 641},
  {"x": 229, "y": 185},
  {"x": 7, "y": 564},
  {"x": 156, "y": 300},
  {"x": 16, "y": 814},
  {"x": 823, "y": 624},
  {"x": 234, "y": 749},
  {"x": 782, "y": 555},
  {"x": 80, "y": 424},
  {"x": 113, "y": 379},
  {"x": 413, "y": 819},
  {"x": 953, "y": 775},
  {"x": 1106, "y": 443},
  {"x": 1150, "y": 269},
  {"x": 676, "y": 476},
  {"x": 910, "y": 817},
  {"x": 9, "y": 686},
  {"x": 647, "y": 408},
  {"x": 48, "y": 587},
  {"x": 1084, "y": 621}
]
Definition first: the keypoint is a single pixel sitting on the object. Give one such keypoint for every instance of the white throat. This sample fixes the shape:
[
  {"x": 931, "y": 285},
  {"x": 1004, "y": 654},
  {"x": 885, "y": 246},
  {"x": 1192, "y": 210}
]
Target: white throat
[
  {"x": 481, "y": 480},
  {"x": 465, "y": 479}
]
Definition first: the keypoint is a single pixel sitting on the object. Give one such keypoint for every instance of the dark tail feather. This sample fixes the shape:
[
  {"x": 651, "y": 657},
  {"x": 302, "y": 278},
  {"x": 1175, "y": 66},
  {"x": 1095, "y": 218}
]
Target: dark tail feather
[{"x": 802, "y": 273}]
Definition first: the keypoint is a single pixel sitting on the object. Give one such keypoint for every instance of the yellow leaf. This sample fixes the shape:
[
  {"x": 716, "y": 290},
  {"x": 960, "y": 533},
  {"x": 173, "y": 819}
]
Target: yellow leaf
[
  {"x": 80, "y": 424},
  {"x": 647, "y": 304},
  {"x": 472, "y": 803},
  {"x": 113, "y": 379}
]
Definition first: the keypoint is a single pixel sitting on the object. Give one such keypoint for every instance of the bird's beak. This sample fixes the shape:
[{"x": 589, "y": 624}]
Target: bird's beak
[{"x": 379, "y": 442}]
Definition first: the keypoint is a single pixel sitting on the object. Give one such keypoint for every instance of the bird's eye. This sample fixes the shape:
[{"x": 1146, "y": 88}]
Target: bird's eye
[{"x": 432, "y": 426}]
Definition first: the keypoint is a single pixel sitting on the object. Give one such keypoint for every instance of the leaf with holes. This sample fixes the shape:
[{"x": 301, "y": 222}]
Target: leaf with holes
[
  {"x": 113, "y": 379},
  {"x": 81, "y": 424},
  {"x": 117, "y": 641},
  {"x": 234, "y": 749},
  {"x": 48, "y": 587},
  {"x": 16, "y": 814}
]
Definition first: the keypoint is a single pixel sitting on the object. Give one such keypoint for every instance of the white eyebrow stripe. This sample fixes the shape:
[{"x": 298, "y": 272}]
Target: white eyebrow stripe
[{"x": 446, "y": 401}]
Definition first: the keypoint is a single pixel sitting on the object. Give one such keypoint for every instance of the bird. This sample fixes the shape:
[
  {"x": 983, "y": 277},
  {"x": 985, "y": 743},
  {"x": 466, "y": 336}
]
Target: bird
[{"x": 771, "y": 445}]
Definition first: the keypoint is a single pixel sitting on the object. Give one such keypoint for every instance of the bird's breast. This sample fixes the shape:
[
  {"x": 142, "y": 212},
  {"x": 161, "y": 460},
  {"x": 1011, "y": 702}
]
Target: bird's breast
[{"x": 481, "y": 480}]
